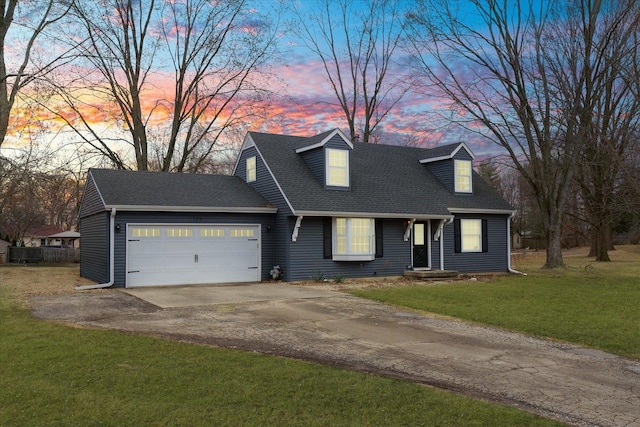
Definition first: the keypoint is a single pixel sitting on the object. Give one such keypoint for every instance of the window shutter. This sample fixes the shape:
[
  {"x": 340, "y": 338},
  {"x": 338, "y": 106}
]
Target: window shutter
[
  {"x": 456, "y": 236},
  {"x": 326, "y": 237},
  {"x": 485, "y": 239},
  {"x": 379, "y": 252}
]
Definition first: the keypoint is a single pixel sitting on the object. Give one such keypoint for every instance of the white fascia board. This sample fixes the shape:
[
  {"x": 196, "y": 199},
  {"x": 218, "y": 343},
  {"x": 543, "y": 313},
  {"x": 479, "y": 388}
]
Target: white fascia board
[
  {"x": 149, "y": 208},
  {"x": 284, "y": 196},
  {"x": 324, "y": 141},
  {"x": 450, "y": 156},
  {"x": 95, "y": 184},
  {"x": 463, "y": 145},
  {"x": 481, "y": 211},
  {"x": 401, "y": 215},
  {"x": 246, "y": 143}
]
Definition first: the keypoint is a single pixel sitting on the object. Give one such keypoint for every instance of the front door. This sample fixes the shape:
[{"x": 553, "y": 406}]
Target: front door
[{"x": 421, "y": 245}]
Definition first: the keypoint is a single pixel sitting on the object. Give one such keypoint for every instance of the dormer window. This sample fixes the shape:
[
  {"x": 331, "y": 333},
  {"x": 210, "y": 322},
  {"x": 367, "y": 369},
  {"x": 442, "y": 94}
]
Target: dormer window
[
  {"x": 337, "y": 167},
  {"x": 462, "y": 176},
  {"x": 251, "y": 169}
]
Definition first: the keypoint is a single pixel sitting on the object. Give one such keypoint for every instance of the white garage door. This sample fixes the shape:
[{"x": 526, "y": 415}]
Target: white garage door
[{"x": 180, "y": 254}]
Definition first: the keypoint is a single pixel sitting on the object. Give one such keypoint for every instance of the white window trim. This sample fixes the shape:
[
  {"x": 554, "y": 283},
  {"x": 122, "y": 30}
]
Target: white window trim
[
  {"x": 455, "y": 176},
  {"x": 462, "y": 235},
  {"x": 353, "y": 256},
  {"x": 251, "y": 171},
  {"x": 328, "y": 168}
]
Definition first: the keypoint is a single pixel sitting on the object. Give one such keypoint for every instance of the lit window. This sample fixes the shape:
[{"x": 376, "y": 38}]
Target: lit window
[
  {"x": 354, "y": 239},
  {"x": 212, "y": 232},
  {"x": 471, "y": 235},
  {"x": 242, "y": 232},
  {"x": 337, "y": 167},
  {"x": 179, "y": 232},
  {"x": 251, "y": 169},
  {"x": 463, "y": 176},
  {"x": 145, "y": 232}
]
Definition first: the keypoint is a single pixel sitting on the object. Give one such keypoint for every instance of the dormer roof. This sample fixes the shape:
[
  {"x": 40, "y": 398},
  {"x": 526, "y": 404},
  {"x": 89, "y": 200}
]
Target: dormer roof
[
  {"x": 446, "y": 152},
  {"x": 320, "y": 140}
]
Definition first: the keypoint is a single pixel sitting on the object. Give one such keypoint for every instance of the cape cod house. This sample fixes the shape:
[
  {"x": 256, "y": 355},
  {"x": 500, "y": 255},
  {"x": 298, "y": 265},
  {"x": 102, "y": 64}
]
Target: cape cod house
[{"x": 315, "y": 206}]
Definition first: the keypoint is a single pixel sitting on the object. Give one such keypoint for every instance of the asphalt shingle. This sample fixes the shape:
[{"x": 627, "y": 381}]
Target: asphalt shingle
[
  {"x": 136, "y": 188},
  {"x": 385, "y": 179}
]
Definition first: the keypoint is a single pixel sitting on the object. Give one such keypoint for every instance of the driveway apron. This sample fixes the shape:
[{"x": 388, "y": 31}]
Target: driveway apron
[{"x": 573, "y": 384}]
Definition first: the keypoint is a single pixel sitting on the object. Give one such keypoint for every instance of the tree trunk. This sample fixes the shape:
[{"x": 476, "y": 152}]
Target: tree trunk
[
  {"x": 593, "y": 245},
  {"x": 554, "y": 249},
  {"x": 602, "y": 238}
]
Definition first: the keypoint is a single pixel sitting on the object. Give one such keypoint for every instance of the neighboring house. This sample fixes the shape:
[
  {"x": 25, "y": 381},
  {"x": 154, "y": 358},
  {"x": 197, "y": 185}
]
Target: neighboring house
[
  {"x": 50, "y": 235},
  {"x": 65, "y": 238},
  {"x": 40, "y": 235},
  {"x": 320, "y": 206}
]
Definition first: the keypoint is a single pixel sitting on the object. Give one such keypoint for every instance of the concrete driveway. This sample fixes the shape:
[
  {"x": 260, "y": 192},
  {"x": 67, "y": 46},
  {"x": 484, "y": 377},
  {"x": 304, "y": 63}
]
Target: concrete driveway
[{"x": 573, "y": 384}]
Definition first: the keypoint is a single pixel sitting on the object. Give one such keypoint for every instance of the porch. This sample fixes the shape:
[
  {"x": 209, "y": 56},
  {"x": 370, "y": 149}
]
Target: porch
[{"x": 431, "y": 274}]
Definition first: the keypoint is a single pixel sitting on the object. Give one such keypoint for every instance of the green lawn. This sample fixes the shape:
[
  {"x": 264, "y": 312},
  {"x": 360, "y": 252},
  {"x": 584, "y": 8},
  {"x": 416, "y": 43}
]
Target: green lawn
[
  {"x": 54, "y": 375},
  {"x": 594, "y": 304}
]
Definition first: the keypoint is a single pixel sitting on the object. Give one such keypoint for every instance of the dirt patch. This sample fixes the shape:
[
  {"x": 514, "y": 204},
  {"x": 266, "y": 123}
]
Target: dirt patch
[{"x": 41, "y": 279}]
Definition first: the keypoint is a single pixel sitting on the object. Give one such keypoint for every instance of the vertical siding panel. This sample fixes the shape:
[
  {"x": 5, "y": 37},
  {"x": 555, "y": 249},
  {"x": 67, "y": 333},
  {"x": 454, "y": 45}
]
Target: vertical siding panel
[{"x": 94, "y": 250}]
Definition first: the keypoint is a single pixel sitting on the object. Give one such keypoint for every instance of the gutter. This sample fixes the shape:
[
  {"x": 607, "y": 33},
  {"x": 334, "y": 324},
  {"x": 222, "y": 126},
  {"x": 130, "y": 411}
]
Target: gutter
[
  {"x": 511, "y": 270},
  {"x": 111, "y": 258}
]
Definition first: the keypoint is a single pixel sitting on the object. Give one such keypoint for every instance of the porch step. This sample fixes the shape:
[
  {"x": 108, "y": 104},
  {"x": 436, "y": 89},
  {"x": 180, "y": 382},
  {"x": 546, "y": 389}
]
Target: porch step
[{"x": 431, "y": 274}]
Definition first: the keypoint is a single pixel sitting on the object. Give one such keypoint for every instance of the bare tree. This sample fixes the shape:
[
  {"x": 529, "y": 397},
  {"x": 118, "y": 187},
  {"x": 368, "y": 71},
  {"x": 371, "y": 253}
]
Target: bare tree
[
  {"x": 22, "y": 25},
  {"x": 499, "y": 78},
  {"x": 184, "y": 70},
  {"x": 357, "y": 44},
  {"x": 602, "y": 68}
]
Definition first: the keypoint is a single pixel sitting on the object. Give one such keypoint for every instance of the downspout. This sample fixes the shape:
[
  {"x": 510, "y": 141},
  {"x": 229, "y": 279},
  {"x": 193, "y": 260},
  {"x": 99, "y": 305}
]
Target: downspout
[
  {"x": 439, "y": 234},
  {"x": 511, "y": 270},
  {"x": 112, "y": 251}
]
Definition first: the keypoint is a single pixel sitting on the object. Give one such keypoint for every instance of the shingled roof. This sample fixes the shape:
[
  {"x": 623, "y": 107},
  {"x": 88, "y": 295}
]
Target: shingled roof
[
  {"x": 386, "y": 180},
  {"x": 176, "y": 191}
]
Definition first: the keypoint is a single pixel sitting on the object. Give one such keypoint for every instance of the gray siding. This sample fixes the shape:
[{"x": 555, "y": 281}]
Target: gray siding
[
  {"x": 91, "y": 200},
  {"x": 264, "y": 183},
  {"x": 337, "y": 142},
  {"x": 443, "y": 170},
  {"x": 307, "y": 255},
  {"x": 124, "y": 218},
  {"x": 495, "y": 260},
  {"x": 267, "y": 188},
  {"x": 94, "y": 250},
  {"x": 315, "y": 160}
]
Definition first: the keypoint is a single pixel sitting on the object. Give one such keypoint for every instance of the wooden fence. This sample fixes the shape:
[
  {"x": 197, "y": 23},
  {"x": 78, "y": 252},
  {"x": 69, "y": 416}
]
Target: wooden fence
[{"x": 53, "y": 254}]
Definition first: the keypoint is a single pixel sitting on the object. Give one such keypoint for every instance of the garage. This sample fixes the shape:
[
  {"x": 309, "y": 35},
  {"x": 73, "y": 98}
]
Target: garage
[{"x": 178, "y": 254}]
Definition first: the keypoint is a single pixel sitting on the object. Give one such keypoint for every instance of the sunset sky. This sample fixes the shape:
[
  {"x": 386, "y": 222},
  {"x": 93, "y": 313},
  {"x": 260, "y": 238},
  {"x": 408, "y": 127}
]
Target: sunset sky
[{"x": 304, "y": 103}]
